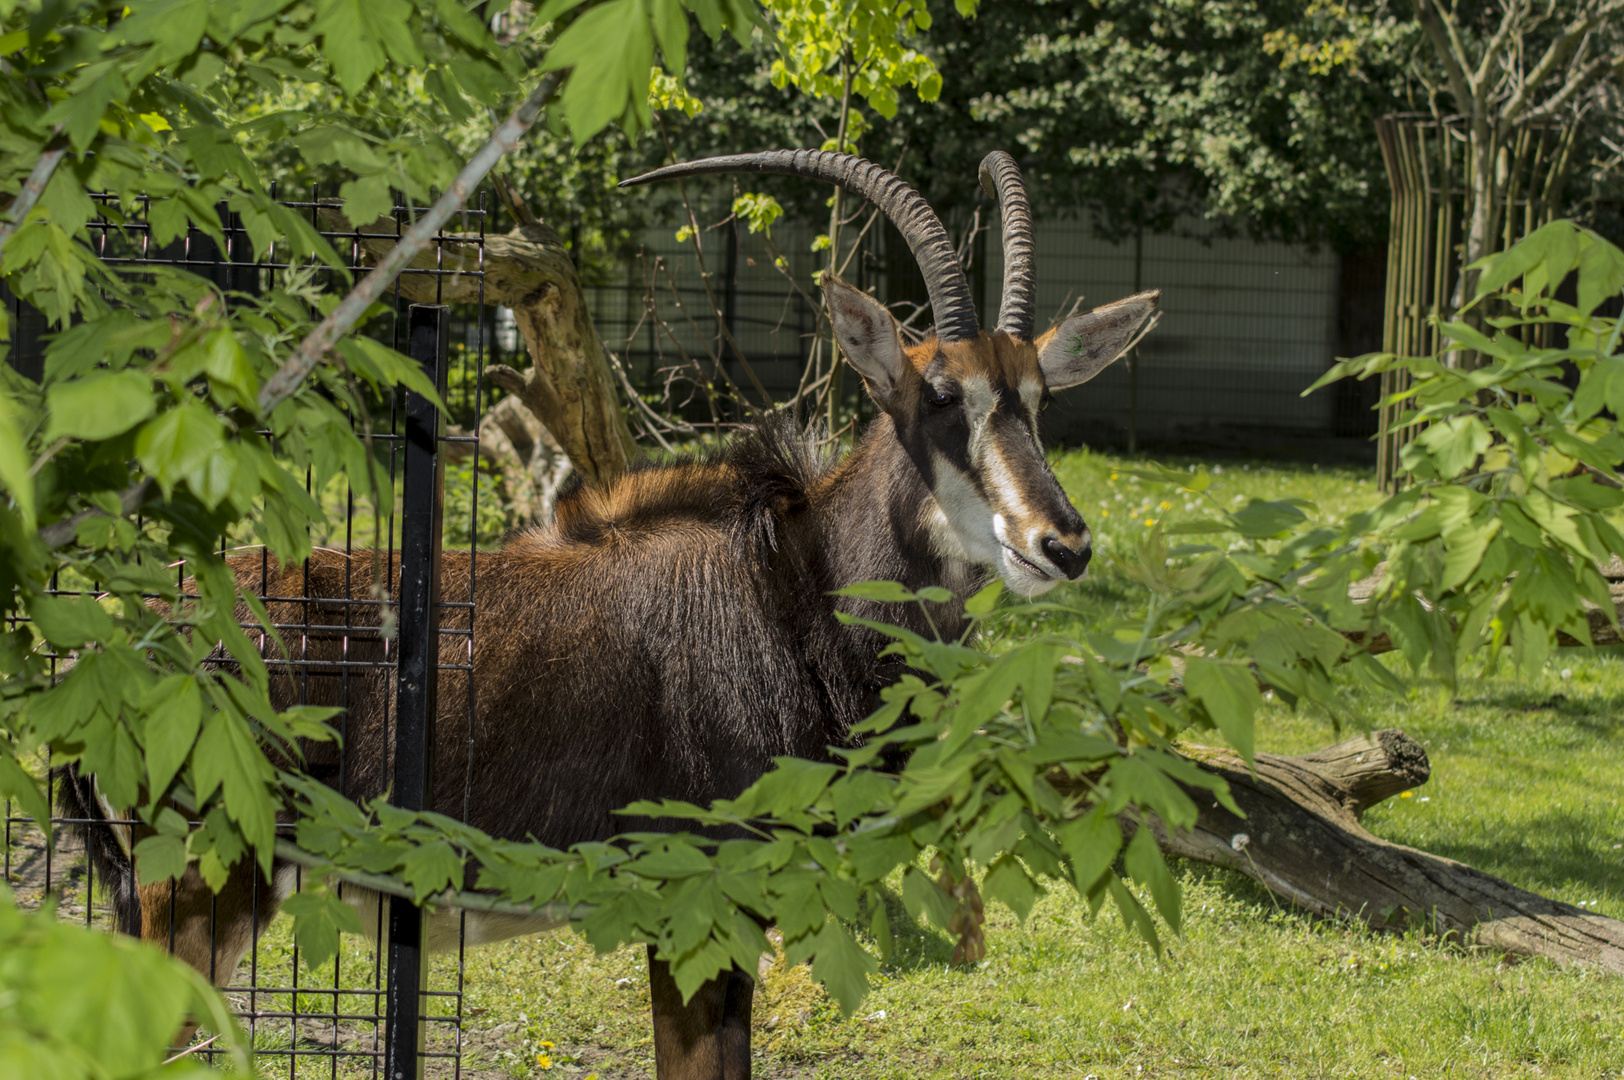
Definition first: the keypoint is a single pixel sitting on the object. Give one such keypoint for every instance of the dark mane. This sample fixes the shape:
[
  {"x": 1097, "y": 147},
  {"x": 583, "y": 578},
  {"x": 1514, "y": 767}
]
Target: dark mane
[{"x": 745, "y": 487}]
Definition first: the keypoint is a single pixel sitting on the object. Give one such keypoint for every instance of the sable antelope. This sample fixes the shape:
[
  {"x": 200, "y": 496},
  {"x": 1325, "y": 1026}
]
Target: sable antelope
[{"x": 668, "y": 636}]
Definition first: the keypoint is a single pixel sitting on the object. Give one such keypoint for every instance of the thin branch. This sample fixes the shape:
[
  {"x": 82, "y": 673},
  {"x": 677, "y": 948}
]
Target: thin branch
[
  {"x": 1459, "y": 84},
  {"x": 287, "y": 380},
  {"x": 1560, "y": 52},
  {"x": 1457, "y": 47},
  {"x": 34, "y": 186},
  {"x": 1510, "y": 24},
  {"x": 857, "y": 244},
  {"x": 710, "y": 294},
  {"x": 468, "y": 901},
  {"x": 190, "y": 1050},
  {"x": 1578, "y": 84},
  {"x": 716, "y": 361}
]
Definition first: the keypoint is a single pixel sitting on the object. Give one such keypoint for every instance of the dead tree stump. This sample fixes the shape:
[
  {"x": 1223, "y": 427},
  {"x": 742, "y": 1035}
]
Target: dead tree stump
[
  {"x": 1302, "y": 839},
  {"x": 570, "y": 386}
]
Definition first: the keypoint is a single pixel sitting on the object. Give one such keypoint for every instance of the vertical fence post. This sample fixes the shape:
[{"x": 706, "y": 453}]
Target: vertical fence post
[{"x": 416, "y": 671}]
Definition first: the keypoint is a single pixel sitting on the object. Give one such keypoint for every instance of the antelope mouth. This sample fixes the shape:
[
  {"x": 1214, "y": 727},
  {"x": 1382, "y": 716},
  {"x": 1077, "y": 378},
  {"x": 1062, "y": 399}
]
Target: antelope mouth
[{"x": 1027, "y": 564}]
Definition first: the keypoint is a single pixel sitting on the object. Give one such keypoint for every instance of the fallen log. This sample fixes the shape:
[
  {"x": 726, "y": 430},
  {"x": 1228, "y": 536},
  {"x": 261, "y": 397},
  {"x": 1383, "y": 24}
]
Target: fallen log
[
  {"x": 1302, "y": 839},
  {"x": 1604, "y": 626}
]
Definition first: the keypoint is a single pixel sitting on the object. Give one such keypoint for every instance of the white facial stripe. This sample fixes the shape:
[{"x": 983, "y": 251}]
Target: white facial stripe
[
  {"x": 1032, "y": 399},
  {"x": 1001, "y": 479},
  {"x": 968, "y": 518},
  {"x": 963, "y": 525},
  {"x": 979, "y": 401}
]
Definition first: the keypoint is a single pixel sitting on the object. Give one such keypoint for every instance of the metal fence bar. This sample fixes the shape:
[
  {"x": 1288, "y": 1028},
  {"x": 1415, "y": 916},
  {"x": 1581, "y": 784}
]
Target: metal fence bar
[{"x": 428, "y": 342}]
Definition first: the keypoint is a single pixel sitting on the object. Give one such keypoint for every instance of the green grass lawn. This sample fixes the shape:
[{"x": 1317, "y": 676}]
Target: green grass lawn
[{"x": 1525, "y": 785}]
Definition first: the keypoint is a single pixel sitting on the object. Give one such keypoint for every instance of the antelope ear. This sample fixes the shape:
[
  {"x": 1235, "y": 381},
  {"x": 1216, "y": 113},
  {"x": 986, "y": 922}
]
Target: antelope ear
[
  {"x": 868, "y": 335},
  {"x": 1082, "y": 346}
]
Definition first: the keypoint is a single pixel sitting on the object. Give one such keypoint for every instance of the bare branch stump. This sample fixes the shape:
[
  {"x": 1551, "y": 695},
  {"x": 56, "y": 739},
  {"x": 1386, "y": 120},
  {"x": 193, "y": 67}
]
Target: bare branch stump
[
  {"x": 1301, "y": 838},
  {"x": 569, "y": 387}
]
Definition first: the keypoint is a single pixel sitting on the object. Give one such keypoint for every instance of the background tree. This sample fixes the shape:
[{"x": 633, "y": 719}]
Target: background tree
[
  {"x": 1141, "y": 116},
  {"x": 1500, "y": 71}
]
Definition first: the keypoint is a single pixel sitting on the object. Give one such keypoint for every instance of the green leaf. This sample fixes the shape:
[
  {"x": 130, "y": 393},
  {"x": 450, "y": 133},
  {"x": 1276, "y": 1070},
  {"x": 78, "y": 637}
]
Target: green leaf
[
  {"x": 611, "y": 50},
  {"x": 178, "y": 442},
  {"x": 881, "y": 929},
  {"x": 227, "y": 759},
  {"x": 1455, "y": 444},
  {"x": 389, "y": 367},
  {"x": 80, "y": 112},
  {"x": 15, "y": 783},
  {"x": 70, "y": 622},
  {"x": 1134, "y": 916},
  {"x": 1259, "y": 519},
  {"x": 366, "y": 200},
  {"x": 174, "y": 709},
  {"x": 14, "y": 461},
  {"x": 1091, "y": 843},
  {"x": 1556, "y": 244},
  {"x": 1601, "y": 274},
  {"x": 671, "y": 31},
  {"x": 160, "y": 858},
  {"x": 886, "y": 592},
  {"x": 985, "y": 599},
  {"x": 115, "y": 760},
  {"x": 319, "y": 916},
  {"x": 1144, "y": 862},
  {"x": 229, "y": 370},
  {"x": 923, "y": 897},
  {"x": 349, "y": 40},
  {"x": 842, "y": 966},
  {"x": 1230, "y": 697},
  {"x": 1008, "y": 882},
  {"x": 98, "y": 406},
  {"x": 431, "y": 868}
]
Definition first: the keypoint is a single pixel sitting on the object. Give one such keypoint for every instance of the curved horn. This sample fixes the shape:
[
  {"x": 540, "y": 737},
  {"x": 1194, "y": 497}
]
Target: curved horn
[
  {"x": 907, "y": 209},
  {"x": 1001, "y": 178}
]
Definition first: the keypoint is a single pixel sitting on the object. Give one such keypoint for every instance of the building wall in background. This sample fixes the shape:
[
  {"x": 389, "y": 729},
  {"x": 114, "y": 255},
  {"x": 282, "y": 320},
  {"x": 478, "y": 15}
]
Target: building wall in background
[{"x": 1246, "y": 327}]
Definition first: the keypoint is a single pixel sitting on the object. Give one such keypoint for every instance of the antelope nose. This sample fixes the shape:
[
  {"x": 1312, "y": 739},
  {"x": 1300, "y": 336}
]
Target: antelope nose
[{"x": 1070, "y": 562}]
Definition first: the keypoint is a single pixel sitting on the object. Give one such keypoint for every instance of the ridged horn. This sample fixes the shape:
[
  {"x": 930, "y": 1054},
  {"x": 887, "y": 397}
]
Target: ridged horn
[
  {"x": 907, "y": 209},
  {"x": 1001, "y": 178}
]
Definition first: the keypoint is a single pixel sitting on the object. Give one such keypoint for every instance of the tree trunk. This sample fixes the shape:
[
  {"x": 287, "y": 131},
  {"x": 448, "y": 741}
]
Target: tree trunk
[
  {"x": 1301, "y": 838},
  {"x": 569, "y": 387}
]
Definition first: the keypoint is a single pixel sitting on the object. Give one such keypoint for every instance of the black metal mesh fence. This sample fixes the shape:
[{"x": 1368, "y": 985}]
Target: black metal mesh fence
[
  {"x": 331, "y": 1022},
  {"x": 1246, "y": 326}
]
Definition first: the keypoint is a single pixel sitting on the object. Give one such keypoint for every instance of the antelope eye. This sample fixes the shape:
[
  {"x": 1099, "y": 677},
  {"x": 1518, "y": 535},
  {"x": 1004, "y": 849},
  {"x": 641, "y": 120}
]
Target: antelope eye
[
  {"x": 941, "y": 399},
  {"x": 1043, "y": 402}
]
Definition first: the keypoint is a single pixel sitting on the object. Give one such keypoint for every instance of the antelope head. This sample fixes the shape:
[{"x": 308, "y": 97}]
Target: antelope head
[{"x": 965, "y": 403}]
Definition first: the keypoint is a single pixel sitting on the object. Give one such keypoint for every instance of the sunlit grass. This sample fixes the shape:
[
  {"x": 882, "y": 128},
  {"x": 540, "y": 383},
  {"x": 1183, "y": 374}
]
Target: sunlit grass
[{"x": 1525, "y": 785}]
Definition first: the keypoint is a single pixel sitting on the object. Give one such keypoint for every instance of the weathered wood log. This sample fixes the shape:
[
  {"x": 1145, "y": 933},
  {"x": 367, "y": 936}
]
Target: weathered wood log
[
  {"x": 569, "y": 387},
  {"x": 1302, "y": 839},
  {"x": 1603, "y": 630}
]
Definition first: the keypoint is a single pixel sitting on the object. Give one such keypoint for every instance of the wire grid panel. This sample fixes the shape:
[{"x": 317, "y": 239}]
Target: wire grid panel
[
  {"x": 331, "y": 1022},
  {"x": 1246, "y": 326}
]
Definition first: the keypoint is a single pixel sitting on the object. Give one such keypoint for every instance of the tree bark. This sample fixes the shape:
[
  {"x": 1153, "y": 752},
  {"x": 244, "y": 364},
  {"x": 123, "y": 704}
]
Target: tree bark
[
  {"x": 1604, "y": 628},
  {"x": 569, "y": 387},
  {"x": 1302, "y": 839}
]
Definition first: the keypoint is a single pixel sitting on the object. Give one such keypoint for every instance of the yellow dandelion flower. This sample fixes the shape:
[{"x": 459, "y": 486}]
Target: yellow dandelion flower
[
  {"x": 1113, "y": 476},
  {"x": 547, "y": 1045},
  {"x": 1167, "y": 506},
  {"x": 543, "y": 1062},
  {"x": 1149, "y": 522},
  {"x": 1405, "y": 794}
]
